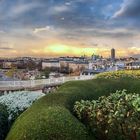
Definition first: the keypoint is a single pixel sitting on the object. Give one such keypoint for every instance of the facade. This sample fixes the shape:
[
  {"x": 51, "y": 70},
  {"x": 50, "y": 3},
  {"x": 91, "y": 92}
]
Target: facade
[
  {"x": 133, "y": 65},
  {"x": 91, "y": 72},
  {"x": 78, "y": 66},
  {"x": 65, "y": 63},
  {"x": 51, "y": 64},
  {"x": 7, "y": 65},
  {"x": 120, "y": 64}
]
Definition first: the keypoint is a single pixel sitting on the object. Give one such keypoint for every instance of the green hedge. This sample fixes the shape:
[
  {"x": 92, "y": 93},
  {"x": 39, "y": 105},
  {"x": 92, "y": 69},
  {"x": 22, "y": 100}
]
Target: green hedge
[
  {"x": 3, "y": 122},
  {"x": 133, "y": 74},
  {"x": 51, "y": 118},
  {"x": 112, "y": 117}
]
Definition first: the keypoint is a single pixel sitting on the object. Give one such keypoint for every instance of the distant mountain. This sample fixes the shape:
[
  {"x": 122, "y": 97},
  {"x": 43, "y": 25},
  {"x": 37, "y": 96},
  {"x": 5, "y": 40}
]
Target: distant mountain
[{"x": 136, "y": 55}]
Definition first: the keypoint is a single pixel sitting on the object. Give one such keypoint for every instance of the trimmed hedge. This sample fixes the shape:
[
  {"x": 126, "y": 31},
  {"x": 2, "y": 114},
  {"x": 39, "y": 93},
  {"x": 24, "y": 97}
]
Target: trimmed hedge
[
  {"x": 3, "y": 122},
  {"x": 51, "y": 118},
  {"x": 133, "y": 74}
]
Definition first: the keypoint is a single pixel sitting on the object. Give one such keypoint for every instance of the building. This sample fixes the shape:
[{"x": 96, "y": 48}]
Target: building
[
  {"x": 78, "y": 66},
  {"x": 91, "y": 72},
  {"x": 51, "y": 64},
  {"x": 7, "y": 65},
  {"x": 120, "y": 65},
  {"x": 133, "y": 65},
  {"x": 113, "y": 54}
]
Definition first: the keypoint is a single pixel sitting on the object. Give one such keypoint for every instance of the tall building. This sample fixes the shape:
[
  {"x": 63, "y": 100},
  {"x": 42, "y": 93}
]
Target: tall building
[{"x": 112, "y": 54}]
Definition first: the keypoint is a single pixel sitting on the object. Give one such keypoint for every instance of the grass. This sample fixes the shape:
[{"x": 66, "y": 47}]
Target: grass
[{"x": 51, "y": 117}]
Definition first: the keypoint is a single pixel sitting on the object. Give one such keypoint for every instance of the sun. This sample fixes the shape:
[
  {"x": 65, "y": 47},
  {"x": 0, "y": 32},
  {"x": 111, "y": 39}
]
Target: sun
[
  {"x": 62, "y": 49},
  {"x": 57, "y": 48}
]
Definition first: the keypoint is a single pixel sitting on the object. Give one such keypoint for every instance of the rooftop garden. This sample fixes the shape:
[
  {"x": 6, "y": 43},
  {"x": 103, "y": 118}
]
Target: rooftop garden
[{"x": 53, "y": 117}]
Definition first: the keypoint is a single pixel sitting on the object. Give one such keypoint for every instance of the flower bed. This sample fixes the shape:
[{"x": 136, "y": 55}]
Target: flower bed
[
  {"x": 12, "y": 105},
  {"x": 17, "y": 102}
]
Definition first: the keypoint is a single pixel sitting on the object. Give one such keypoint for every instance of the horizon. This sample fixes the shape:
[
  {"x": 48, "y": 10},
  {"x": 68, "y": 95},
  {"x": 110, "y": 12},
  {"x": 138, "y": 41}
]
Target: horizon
[{"x": 69, "y": 28}]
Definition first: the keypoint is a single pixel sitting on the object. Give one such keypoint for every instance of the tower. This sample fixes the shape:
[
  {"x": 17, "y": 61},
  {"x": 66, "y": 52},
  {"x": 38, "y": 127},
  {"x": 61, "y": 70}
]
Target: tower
[{"x": 113, "y": 54}]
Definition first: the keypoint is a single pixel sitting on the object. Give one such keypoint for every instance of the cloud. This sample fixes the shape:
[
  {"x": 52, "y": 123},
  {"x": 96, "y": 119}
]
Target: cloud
[
  {"x": 79, "y": 23},
  {"x": 68, "y": 3},
  {"x": 129, "y": 9},
  {"x": 135, "y": 48},
  {"x": 6, "y": 48},
  {"x": 19, "y": 9},
  {"x": 47, "y": 28},
  {"x": 58, "y": 9},
  {"x": 2, "y": 32},
  {"x": 95, "y": 32},
  {"x": 134, "y": 51}
]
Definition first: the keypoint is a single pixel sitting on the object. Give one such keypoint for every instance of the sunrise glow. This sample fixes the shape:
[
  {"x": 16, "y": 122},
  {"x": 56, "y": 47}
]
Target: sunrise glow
[{"x": 50, "y": 28}]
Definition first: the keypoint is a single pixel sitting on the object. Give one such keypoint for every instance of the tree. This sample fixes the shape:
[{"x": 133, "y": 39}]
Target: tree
[{"x": 46, "y": 72}]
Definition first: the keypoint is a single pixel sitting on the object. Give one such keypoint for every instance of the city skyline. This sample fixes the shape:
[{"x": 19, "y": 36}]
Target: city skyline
[{"x": 65, "y": 27}]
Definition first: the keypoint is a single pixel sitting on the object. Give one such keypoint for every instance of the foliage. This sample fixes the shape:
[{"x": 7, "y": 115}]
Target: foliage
[
  {"x": 53, "y": 114},
  {"x": 3, "y": 122},
  {"x": 46, "y": 72},
  {"x": 31, "y": 65},
  {"x": 11, "y": 72},
  {"x": 113, "y": 117},
  {"x": 134, "y": 74}
]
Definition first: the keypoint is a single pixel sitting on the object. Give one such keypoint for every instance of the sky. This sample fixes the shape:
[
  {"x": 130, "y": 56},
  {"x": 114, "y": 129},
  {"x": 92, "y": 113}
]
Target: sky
[{"x": 48, "y": 28}]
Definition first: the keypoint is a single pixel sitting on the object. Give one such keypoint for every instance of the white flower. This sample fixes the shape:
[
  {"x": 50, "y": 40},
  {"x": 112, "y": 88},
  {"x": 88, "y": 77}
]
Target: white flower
[{"x": 19, "y": 101}]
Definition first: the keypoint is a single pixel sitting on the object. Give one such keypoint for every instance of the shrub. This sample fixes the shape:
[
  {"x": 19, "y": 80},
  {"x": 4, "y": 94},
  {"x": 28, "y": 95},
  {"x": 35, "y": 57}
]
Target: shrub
[
  {"x": 133, "y": 74},
  {"x": 113, "y": 117},
  {"x": 39, "y": 121},
  {"x": 3, "y": 122}
]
